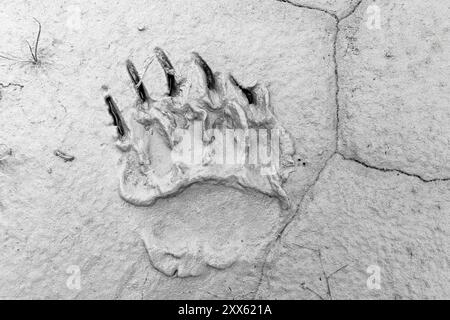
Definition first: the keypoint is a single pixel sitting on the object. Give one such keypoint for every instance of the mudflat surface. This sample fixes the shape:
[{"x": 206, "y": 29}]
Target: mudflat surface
[{"x": 362, "y": 86}]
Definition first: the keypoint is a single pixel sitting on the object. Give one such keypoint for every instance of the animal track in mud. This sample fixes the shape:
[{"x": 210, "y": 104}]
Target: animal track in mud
[{"x": 206, "y": 128}]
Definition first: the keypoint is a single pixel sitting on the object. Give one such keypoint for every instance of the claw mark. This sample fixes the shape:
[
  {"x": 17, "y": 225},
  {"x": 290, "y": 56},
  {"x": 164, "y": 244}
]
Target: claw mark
[
  {"x": 168, "y": 70},
  {"x": 134, "y": 75},
  {"x": 116, "y": 115},
  {"x": 248, "y": 93},
  {"x": 210, "y": 81}
]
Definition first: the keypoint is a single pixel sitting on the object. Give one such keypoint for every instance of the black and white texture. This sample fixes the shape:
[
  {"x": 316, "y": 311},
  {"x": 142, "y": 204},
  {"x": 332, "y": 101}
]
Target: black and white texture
[{"x": 362, "y": 87}]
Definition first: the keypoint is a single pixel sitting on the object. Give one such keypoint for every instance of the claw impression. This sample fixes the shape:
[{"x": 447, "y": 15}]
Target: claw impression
[{"x": 208, "y": 128}]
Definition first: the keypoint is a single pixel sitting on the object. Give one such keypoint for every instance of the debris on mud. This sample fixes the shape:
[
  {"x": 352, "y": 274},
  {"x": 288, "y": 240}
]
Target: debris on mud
[
  {"x": 66, "y": 157},
  {"x": 34, "y": 50}
]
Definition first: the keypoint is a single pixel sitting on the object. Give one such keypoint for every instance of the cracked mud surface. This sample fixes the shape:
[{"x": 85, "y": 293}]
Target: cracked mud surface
[{"x": 367, "y": 109}]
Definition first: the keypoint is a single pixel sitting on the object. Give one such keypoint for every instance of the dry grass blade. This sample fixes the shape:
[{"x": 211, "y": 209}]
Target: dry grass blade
[
  {"x": 36, "y": 45},
  {"x": 8, "y": 58},
  {"x": 33, "y": 51}
]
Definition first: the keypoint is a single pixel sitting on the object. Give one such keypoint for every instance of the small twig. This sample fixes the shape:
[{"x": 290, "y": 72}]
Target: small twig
[
  {"x": 305, "y": 287},
  {"x": 66, "y": 157},
  {"x": 326, "y": 277},
  {"x": 307, "y": 248},
  {"x": 341, "y": 268},
  {"x": 214, "y": 295},
  {"x": 143, "y": 286}
]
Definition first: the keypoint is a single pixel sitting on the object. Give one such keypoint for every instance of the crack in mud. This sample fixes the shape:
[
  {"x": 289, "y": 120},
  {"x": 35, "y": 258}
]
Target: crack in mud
[
  {"x": 284, "y": 226},
  {"x": 292, "y": 217},
  {"x": 11, "y": 84},
  {"x": 298, "y": 209},
  {"x": 337, "y": 88},
  {"x": 392, "y": 170},
  {"x": 309, "y": 7},
  {"x": 335, "y": 39}
]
